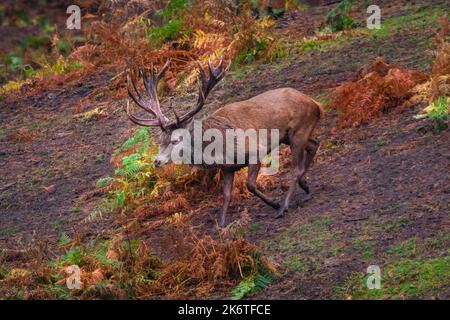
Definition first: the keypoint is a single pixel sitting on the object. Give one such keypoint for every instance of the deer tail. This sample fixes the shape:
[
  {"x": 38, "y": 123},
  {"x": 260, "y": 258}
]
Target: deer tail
[{"x": 320, "y": 109}]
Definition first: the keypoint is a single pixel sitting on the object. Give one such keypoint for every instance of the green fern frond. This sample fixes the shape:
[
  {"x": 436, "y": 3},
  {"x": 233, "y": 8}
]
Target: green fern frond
[
  {"x": 251, "y": 284},
  {"x": 100, "y": 255},
  {"x": 64, "y": 239},
  {"x": 141, "y": 138},
  {"x": 120, "y": 199},
  {"x": 73, "y": 256},
  {"x": 262, "y": 281},
  {"x": 104, "y": 182},
  {"x": 132, "y": 166},
  {"x": 244, "y": 287}
]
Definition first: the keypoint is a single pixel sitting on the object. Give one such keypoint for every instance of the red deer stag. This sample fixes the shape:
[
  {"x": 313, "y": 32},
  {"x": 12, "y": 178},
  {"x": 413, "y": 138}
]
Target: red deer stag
[{"x": 292, "y": 113}]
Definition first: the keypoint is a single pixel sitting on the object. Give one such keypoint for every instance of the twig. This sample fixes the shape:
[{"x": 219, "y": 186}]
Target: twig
[
  {"x": 116, "y": 76},
  {"x": 356, "y": 219}
]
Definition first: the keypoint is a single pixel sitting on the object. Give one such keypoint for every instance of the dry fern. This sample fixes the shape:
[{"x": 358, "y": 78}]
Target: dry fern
[{"x": 378, "y": 88}]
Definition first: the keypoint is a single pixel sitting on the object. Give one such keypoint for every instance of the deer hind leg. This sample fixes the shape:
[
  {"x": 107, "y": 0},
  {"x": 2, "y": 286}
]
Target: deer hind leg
[
  {"x": 253, "y": 170},
  {"x": 228, "y": 178},
  {"x": 298, "y": 146},
  {"x": 310, "y": 152}
]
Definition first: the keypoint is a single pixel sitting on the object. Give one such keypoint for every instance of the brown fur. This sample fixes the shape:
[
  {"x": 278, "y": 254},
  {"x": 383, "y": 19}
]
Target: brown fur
[
  {"x": 285, "y": 109},
  {"x": 294, "y": 114}
]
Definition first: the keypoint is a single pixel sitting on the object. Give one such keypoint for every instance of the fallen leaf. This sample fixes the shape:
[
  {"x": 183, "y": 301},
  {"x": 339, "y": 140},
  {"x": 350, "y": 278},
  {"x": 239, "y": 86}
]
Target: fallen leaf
[{"x": 49, "y": 189}]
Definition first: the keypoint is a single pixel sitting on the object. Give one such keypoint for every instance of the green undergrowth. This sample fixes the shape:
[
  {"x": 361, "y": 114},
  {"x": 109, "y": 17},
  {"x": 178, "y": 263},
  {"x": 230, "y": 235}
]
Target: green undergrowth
[
  {"x": 411, "y": 268},
  {"x": 259, "y": 279},
  {"x": 134, "y": 176},
  {"x": 422, "y": 18},
  {"x": 407, "y": 278},
  {"x": 438, "y": 114}
]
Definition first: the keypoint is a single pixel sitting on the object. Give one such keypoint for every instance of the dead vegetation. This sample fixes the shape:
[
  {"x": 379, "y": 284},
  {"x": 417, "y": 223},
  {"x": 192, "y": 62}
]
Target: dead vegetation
[
  {"x": 148, "y": 201},
  {"x": 130, "y": 36},
  {"x": 124, "y": 267},
  {"x": 378, "y": 88}
]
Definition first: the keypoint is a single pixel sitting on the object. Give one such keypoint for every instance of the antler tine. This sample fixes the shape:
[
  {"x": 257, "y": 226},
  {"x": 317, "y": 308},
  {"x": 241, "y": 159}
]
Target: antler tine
[
  {"x": 215, "y": 75},
  {"x": 139, "y": 102},
  {"x": 151, "y": 85},
  {"x": 177, "y": 119},
  {"x": 162, "y": 72},
  {"x": 220, "y": 68},
  {"x": 141, "y": 121},
  {"x": 150, "y": 104},
  {"x": 206, "y": 84},
  {"x": 148, "y": 83},
  {"x": 210, "y": 68},
  {"x": 129, "y": 79},
  {"x": 218, "y": 71},
  {"x": 202, "y": 83}
]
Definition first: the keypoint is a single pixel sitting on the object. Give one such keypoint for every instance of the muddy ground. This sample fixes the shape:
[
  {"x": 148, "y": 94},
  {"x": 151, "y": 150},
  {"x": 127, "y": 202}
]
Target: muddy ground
[{"x": 374, "y": 187}]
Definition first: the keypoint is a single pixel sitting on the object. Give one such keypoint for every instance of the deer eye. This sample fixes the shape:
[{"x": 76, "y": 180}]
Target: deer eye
[{"x": 175, "y": 141}]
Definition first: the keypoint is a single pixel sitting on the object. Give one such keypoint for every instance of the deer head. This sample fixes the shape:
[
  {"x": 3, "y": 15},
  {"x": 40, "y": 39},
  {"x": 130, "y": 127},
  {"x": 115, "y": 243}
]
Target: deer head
[{"x": 150, "y": 104}]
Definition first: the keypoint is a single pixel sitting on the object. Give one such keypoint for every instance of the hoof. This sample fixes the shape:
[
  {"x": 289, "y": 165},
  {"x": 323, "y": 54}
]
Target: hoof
[
  {"x": 307, "y": 198},
  {"x": 304, "y": 186},
  {"x": 280, "y": 213},
  {"x": 221, "y": 224},
  {"x": 220, "y": 220},
  {"x": 275, "y": 205}
]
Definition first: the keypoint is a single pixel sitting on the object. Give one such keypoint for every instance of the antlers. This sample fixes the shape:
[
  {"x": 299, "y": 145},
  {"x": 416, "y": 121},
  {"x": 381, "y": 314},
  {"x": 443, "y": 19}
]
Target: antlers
[{"x": 151, "y": 104}]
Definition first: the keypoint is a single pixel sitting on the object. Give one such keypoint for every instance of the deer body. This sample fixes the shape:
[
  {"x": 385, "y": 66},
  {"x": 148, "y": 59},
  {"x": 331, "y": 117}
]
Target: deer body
[
  {"x": 292, "y": 113},
  {"x": 285, "y": 109}
]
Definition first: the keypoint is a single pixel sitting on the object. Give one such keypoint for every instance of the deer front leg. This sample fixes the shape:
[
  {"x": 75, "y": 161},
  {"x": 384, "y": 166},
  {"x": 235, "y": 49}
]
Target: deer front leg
[
  {"x": 253, "y": 170},
  {"x": 228, "y": 178}
]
